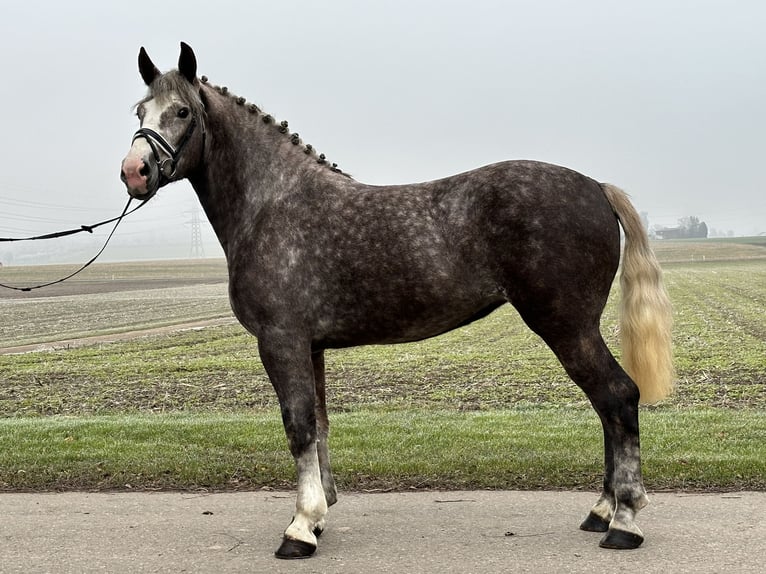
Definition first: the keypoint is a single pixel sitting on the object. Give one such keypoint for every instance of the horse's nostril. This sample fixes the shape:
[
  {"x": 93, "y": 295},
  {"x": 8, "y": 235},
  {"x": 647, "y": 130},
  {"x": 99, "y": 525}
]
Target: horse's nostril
[{"x": 144, "y": 170}]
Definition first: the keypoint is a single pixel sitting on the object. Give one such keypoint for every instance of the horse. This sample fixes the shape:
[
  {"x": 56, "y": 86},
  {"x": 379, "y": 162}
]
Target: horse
[{"x": 317, "y": 260}]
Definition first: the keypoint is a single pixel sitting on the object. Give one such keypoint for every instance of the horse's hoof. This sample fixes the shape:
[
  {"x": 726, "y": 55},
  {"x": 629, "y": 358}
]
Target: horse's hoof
[
  {"x": 594, "y": 523},
  {"x": 621, "y": 540},
  {"x": 294, "y": 549}
]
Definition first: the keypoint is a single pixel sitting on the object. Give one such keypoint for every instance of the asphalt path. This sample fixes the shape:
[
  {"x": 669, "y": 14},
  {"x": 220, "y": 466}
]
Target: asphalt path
[{"x": 420, "y": 532}]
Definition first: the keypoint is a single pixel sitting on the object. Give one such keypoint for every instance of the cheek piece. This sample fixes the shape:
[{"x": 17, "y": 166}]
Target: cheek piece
[{"x": 156, "y": 141}]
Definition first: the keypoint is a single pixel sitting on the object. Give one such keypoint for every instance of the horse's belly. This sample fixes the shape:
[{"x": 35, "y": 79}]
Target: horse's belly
[{"x": 399, "y": 321}]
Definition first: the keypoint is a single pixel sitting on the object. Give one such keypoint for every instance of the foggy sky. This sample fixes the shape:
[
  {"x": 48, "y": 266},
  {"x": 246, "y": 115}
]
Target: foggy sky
[{"x": 663, "y": 98}]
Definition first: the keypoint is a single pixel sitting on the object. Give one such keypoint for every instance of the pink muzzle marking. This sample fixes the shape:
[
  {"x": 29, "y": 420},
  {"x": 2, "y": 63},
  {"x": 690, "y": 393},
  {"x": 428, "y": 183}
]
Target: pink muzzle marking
[{"x": 132, "y": 166}]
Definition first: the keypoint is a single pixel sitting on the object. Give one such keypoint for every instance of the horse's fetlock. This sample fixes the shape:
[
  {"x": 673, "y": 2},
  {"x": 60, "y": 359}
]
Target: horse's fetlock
[{"x": 633, "y": 497}]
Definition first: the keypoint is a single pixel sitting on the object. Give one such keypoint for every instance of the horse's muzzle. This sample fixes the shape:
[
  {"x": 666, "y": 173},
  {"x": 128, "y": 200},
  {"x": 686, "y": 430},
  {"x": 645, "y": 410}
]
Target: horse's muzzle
[{"x": 140, "y": 177}]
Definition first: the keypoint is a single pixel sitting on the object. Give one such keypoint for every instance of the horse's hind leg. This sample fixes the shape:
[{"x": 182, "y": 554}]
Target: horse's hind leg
[
  {"x": 291, "y": 371},
  {"x": 586, "y": 358},
  {"x": 614, "y": 396},
  {"x": 622, "y": 494}
]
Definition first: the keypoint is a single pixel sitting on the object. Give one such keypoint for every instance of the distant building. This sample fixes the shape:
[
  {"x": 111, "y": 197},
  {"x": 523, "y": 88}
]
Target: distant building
[
  {"x": 689, "y": 228},
  {"x": 670, "y": 233}
]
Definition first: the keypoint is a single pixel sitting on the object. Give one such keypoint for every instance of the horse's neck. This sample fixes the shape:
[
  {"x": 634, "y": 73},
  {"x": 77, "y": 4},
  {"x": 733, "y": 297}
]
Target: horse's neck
[{"x": 248, "y": 163}]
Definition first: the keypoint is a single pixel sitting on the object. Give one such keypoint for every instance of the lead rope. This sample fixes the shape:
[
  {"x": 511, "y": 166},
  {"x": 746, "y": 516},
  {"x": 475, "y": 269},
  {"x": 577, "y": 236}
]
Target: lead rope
[{"x": 89, "y": 229}]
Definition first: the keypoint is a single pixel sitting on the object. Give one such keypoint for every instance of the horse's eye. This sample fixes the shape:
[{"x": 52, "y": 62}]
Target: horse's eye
[{"x": 183, "y": 112}]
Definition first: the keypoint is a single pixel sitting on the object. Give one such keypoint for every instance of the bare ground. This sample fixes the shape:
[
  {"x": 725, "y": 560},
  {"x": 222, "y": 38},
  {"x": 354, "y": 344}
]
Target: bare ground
[
  {"x": 93, "y": 287},
  {"x": 114, "y": 337},
  {"x": 114, "y": 285}
]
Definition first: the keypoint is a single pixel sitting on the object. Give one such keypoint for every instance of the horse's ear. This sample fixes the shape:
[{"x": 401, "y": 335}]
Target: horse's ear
[
  {"x": 187, "y": 62},
  {"x": 147, "y": 68}
]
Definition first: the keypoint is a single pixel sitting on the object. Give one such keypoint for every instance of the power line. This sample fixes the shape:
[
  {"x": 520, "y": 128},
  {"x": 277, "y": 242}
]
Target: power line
[{"x": 41, "y": 205}]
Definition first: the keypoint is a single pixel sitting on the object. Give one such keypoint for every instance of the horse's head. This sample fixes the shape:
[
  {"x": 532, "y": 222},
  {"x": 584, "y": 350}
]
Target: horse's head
[{"x": 171, "y": 137}]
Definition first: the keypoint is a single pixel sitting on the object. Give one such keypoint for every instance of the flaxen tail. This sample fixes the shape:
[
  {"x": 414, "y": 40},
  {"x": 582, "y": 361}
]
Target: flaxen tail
[{"x": 645, "y": 312}]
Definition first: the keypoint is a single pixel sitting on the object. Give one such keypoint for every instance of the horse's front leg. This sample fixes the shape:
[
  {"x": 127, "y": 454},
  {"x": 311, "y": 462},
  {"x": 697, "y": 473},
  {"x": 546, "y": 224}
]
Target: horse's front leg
[
  {"x": 290, "y": 369},
  {"x": 323, "y": 430}
]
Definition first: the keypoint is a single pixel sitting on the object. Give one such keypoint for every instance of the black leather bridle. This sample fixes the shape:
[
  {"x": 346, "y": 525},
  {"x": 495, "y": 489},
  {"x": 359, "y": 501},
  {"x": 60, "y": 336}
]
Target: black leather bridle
[{"x": 167, "y": 167}]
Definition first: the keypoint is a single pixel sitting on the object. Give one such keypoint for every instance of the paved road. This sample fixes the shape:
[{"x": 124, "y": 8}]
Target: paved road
[{"x": 424, "y": 532}]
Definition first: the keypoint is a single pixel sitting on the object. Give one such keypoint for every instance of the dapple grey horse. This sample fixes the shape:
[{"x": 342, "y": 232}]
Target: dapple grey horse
[{"x": 318, "y": 260}]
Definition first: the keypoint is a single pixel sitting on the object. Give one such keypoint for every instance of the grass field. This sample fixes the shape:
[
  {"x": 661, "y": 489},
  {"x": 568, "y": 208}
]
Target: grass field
[
  {"x": 376, "y": 450},
  {"x": 707, "y": 250},
  {"x": 485, "y": 406}
]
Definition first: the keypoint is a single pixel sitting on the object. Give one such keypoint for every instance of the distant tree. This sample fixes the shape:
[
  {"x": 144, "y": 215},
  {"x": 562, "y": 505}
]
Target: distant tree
[{"x": 692, "y": 227}]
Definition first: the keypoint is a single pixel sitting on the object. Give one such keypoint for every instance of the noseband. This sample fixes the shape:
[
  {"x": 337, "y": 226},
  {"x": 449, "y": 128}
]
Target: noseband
[{"x": 167, "y": 166}]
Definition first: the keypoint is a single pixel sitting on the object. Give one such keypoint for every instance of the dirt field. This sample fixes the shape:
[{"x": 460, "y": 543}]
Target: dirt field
[
  {"x": 110, "y": 299},
  {"x": 94, "y": 287},
  {"x": 112, "y": 277},
  {"x": 115, "y": 337}
]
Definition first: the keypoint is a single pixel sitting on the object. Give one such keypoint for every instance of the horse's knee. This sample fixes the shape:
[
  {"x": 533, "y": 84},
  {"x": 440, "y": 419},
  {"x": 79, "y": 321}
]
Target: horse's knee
[{"x": 299, "y": 422}]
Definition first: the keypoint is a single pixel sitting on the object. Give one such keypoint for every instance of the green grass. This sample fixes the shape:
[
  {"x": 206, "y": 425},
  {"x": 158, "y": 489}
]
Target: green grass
[
  {"x": 520, "y": 449},
  {"x": 486, "y": 406}
]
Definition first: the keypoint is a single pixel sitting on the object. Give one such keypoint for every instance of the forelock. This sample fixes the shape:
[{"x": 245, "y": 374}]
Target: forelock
[{"x": 173, "y": 83}]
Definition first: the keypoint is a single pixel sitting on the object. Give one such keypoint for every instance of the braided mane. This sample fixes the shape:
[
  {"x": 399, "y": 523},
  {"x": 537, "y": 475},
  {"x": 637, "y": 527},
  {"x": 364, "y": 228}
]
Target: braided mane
[{"x": 282, "y": 126}]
